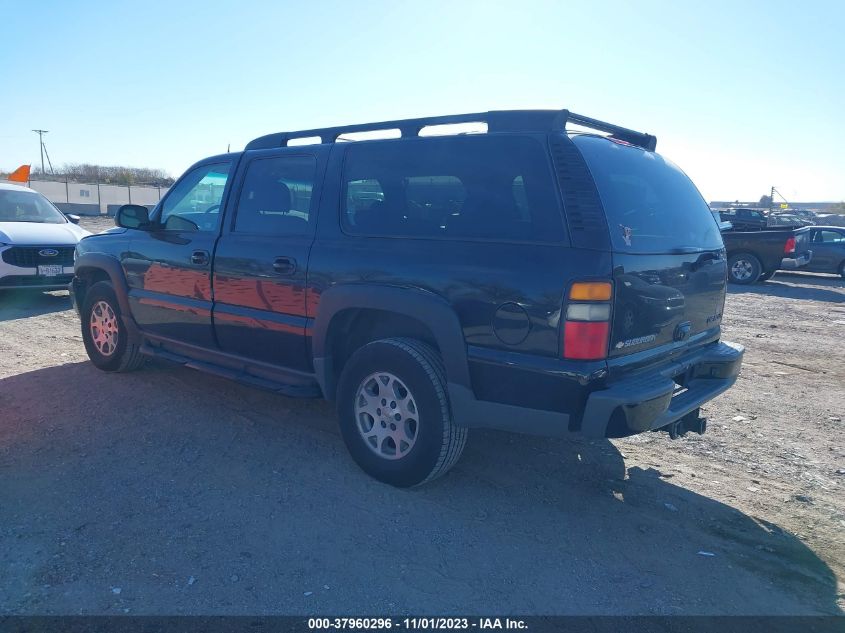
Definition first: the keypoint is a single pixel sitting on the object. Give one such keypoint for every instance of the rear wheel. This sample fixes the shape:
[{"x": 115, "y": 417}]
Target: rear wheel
[
  {"x": 842, "y": 270},
  {"x": 743, "y": 268},
  {"x": 394, "y": 412},
  {"x": 103, "y": 332}
]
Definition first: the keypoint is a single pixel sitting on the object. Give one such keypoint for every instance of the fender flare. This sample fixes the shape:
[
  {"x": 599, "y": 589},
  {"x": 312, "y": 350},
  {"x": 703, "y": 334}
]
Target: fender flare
[
  {"x": 113, "y": 269},
  {"x": 427, "y": 307}
]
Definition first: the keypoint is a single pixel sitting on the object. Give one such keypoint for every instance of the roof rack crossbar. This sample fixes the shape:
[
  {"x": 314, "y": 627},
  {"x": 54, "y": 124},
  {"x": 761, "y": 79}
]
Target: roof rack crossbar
[
  {"x": 497, "y": 121},
  {"x": 640, "y": 139},
  {"x": 407, "y": 127}
]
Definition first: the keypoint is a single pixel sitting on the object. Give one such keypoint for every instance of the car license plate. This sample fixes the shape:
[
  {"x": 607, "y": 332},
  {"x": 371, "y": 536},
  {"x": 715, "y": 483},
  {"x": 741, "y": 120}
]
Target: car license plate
[{"x": 49, "y": 271}]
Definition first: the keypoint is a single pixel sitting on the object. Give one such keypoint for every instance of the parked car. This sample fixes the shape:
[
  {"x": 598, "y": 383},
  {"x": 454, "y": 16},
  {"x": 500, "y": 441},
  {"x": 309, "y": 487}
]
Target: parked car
[
  {"x": 805, "y": 215},
  {"x": 756, "y": 255},
  {"x": 744, "y": 219},
  {"x": 828, "y": 243},
  {"x": 527, "y": 279},
  {"x": 36, "y": 241},
  {"x": 788, "y": 219}
]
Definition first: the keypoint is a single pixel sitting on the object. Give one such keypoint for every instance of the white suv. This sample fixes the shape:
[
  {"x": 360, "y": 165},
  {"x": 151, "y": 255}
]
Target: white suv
[{"x": 36, "y": 241}]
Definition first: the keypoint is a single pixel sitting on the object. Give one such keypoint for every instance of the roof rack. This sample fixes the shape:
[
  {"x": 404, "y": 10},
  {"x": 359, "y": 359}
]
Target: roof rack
[{"x": 496, "y": 120}]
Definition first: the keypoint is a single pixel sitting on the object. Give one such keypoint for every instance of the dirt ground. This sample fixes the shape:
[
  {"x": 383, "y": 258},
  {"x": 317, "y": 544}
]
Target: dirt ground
[{"x": 167, "y": 491}]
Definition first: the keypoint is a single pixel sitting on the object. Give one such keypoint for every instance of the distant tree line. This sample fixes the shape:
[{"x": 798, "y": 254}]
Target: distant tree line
[{"x": 106, "y": 174}]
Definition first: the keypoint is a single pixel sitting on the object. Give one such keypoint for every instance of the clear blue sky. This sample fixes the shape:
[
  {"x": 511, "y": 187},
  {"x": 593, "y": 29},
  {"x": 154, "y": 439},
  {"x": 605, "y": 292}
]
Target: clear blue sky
[{"x": 742, "y": 95}]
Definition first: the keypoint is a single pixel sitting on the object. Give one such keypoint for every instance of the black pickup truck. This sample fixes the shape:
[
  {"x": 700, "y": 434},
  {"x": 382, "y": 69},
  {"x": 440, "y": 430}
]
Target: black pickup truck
[{"x": 757, "y": 255}]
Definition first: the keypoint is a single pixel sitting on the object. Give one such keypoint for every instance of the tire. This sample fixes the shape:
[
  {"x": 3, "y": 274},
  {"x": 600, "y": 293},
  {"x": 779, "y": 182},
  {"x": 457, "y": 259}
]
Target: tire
[
  {"x": 428, "y": 446},
  {"x": 112, "y": 351},
  {"x": 842, "y": 270},
  {"x": 766, "y": 275},
  {"x": 743, "y": 268}
]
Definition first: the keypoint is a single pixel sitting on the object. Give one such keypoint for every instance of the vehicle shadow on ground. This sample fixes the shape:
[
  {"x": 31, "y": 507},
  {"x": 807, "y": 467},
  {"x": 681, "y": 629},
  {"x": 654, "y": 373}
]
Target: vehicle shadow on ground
[
  {"x": 20, "y": 304},
  {"x": 797, "y": 286},
  {"x": 198, "y": 495}
]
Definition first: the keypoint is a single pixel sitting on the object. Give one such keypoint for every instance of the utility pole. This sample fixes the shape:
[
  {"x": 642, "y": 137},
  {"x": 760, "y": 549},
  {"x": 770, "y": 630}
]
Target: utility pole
[
  {"x": 49, "y": 162},
  {"x": 772, "y": 199},
  {"x": 41, "y": 145},
  {"x": 775, "y": 191}
]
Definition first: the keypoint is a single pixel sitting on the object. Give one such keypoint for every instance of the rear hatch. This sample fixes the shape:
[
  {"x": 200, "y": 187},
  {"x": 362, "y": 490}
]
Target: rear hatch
[{"x": 669, "y": 267}]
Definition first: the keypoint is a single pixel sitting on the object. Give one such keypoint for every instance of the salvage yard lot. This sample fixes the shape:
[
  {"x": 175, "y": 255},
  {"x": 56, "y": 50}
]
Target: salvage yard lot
[{"x": 167, "y": 491}]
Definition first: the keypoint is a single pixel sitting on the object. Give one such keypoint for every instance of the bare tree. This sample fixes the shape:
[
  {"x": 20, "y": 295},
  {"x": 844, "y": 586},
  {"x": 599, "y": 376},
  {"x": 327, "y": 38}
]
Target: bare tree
[{"x": 109, "y": 174}]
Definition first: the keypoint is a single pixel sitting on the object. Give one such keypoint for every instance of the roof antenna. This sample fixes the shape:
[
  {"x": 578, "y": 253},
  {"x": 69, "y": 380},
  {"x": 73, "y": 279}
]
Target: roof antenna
[{"x": 228, "y": 147}]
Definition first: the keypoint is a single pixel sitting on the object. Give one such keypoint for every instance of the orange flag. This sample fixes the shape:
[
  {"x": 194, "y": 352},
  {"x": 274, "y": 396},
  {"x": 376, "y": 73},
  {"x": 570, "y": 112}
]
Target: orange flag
[{"x": 21, "y": 174}]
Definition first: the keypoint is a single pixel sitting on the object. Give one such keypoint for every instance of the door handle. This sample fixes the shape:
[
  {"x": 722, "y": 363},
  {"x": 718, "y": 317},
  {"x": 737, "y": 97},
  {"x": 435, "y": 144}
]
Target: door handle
[
  {"x": 199, "y": 258},
  {"x": 284, "y": 265}
]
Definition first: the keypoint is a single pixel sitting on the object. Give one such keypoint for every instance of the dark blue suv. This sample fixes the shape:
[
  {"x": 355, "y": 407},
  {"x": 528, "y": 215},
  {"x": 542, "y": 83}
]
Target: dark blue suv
[{"x": 527, "y": 277}]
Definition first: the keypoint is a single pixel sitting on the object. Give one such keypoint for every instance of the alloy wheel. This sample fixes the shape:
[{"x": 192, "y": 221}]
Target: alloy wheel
[
  {"x": 742, "y": 269},
  {"x": 386, "y": 415},
  {"x": 104, "y": 328}
]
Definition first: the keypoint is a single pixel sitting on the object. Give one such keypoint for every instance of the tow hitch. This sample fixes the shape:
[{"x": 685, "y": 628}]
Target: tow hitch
[{"x": 692, "y": 421}]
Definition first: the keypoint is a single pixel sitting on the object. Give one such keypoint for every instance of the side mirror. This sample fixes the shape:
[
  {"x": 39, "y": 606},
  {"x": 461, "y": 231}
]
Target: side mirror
[
  {"x": 132, "y": 216},
  {"x": 74, "y": 219}
]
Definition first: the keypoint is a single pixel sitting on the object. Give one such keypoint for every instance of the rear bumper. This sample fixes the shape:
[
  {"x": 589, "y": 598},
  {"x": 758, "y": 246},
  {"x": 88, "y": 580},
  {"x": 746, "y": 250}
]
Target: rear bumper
[
  {"x": 648, "y": 399},
  {"x": 791, "y": 263}
]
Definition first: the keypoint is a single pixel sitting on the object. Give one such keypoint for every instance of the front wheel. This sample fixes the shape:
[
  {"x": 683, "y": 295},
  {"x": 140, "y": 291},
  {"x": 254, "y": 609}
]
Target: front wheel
[
  {"x": 394, "y": 412},
  {"x": 103, "y": 332},
  {"x": 743, "y": 268}
]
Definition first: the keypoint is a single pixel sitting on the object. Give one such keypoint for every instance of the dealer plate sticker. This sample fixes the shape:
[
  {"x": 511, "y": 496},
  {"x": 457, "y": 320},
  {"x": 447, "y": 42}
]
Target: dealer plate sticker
[{"x": 50, "y": 271}]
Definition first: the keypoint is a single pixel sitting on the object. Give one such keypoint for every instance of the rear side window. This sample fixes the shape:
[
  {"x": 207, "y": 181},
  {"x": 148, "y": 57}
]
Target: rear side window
[
  {"x": 650, "y": 204},
  {"x": 829, "y": 237},
  {"x": 276, "y": 196},
  {"x": 498, "y": 188}
]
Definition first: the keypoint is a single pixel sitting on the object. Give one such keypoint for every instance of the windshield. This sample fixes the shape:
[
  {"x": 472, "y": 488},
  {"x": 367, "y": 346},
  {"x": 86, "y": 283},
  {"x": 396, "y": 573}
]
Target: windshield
[
  {"x": 650, "y": 204},
  {"x": 28, "y": 206}
]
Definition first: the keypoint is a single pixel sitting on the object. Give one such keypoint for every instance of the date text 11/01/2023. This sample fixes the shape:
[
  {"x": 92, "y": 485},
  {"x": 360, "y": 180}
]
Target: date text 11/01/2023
[{"x": 422, "y": 623}]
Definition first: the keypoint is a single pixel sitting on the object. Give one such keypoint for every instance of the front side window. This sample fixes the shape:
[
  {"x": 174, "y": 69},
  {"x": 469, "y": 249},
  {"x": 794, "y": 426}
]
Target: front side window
[
  {"x": 483, "y": 187},
  {"x": 276, "y": 196},
  {"x": 193, "y": 204},
  {"x": 28, "y": 206}
]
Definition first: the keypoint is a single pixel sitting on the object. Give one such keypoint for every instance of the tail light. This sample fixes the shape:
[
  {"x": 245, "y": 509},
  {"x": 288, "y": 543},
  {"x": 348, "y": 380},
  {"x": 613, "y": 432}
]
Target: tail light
[
  {"x": 586, "y": 329},
  {"x": 789, "y": 247}
]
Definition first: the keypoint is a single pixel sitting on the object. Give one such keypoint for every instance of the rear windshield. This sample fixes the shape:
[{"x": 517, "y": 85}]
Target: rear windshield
[{"x": 651, "y": 205}]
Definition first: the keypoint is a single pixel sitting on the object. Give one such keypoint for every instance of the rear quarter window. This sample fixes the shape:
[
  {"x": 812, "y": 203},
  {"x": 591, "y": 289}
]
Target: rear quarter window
[
  {"x": 481, "y": 187},
  {"x": 650, "y": 204}
]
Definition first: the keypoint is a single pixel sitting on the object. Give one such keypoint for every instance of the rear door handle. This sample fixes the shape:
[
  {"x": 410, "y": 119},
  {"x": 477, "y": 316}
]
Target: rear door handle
[
  {"x": 199, "y": 258},
  {"x": 284, "y": 265}
]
